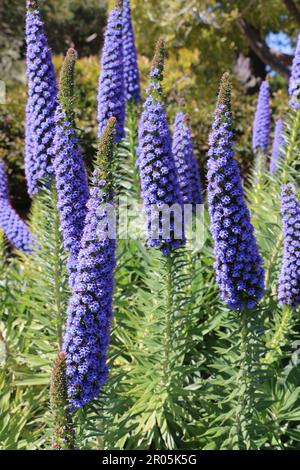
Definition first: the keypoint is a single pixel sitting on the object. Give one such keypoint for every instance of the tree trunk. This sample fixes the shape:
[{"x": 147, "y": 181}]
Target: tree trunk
[
  {"x": 250, "y": 71},
  {"x": 276, "y": 60},
  {"x": 293, "y": 9}
]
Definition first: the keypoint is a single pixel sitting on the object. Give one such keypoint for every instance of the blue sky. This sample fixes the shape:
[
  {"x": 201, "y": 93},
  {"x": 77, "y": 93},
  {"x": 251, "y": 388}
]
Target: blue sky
[{"x": 280, "y": 41}]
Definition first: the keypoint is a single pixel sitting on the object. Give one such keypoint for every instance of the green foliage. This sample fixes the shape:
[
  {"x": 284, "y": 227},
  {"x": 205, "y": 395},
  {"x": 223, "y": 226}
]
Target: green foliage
[
  {"x": 68, "y": 22},
  {"x": 185, "y": 372},
  {"x": 147, "y": 402},
  {"x": 34, "y": 293}
]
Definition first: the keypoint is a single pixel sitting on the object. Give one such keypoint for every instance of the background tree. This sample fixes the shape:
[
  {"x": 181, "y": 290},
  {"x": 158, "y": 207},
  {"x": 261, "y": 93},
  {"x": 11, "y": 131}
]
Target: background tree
[
  {"x": 68, "y": 23},
  {"x": 204, "y": 38}
]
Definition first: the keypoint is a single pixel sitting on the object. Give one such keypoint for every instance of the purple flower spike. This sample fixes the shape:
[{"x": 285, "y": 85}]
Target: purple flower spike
[
  {"x": 71, "y": 181},
  {"x": 277, "y": 146},
  {"x": 41, "y": 104},
  {"x": 262, "y": 120},
  {"x": 294, "y": 85},
  {"x": 238, "y": 265},
  {"x": 159, "y": 180},
  {"x": 131, "y": 70},
  {"x": 187, "y": 168},
  {"x": 90, "y": 308},
  {"x": 111, "y": 96},
  {"x": 289, "y": 280},
  {"x": 12, "y": 225}
]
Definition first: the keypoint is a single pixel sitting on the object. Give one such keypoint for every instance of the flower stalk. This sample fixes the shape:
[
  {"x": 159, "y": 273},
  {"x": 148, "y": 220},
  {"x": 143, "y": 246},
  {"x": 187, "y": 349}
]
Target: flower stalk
[
  {"x": 64, "y": 434},
  {"x": 111, "y": 93},
  {"x": 238, "y": 264},
  {"x": 280, "y": 333},
  {"x": 90, "y": 308},
  {"x": 71, "y": 180},
  {"x": 41, "y": 102},
  {"x": 156, "y": 164}
]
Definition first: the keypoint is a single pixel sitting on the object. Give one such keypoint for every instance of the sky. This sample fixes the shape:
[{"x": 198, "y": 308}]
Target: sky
[{"x": 280, "y": 41}]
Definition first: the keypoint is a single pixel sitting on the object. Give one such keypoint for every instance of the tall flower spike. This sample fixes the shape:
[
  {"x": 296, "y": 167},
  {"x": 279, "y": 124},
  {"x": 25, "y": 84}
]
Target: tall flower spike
[
  {"x": 64, "y": 435},
  {"x": 41, "y": 104},
  {"x": 289, "y": 280},
  {"x": 238, "y": 265},
  {"x": 111, "y": 96},
  {"x": 262, "y": 120},
  {"x": 71, "y": 181},
  {"x": 277, "y": 146},
  {"x": 131, "y": 70},
  {"x": 294, "y": 84},
  {"x": 12, "y": 225},
  {"x": 158, "y": 175},
  {"x": 90, "y": 308},
  {"x": 157, "y": 70},
  {"x": 186, "y": 165}
]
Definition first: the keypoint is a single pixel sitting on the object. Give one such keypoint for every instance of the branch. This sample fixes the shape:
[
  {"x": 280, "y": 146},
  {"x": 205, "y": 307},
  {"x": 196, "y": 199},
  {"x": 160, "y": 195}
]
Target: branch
[
  {"x": 293, "y": 9},
  {"x": 276, "y": 60}
]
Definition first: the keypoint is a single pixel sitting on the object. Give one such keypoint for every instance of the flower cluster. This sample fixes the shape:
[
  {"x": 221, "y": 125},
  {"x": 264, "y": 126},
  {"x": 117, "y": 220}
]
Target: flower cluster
[
  {"x": 12, "y": 225},
  {"x": 238, "y": 265},
  {"x": 277, "y": 146},
  {"x": 41, "y": 105},
  {"x": 90, "y": 308},
  {"x": 294, "y": 84},
  {"x": 262, "y": 120},
  {"x": 71, "y": 181},
  {"x": 289, "y": 280},
  {"x": 111, "y": 97},
  {"x": 131, "y": 70},
  {"x": 158, "y": 175},
  {"x": 186, "y": 165}
]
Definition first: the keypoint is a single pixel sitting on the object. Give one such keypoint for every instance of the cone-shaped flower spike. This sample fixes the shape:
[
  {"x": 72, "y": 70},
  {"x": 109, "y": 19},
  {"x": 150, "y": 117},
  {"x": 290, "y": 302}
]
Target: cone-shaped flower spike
[
  {"x": 111, "y": 95},
  {"x": 289, "y": 280},
  {"x": 277, "y": 146},
  {"x": 90, "y": 308},
  {"x": 294, "y": 85},
  {"x": 238, "y": 265},
  {"x": 41, "y": 104},
  {"x": 158, "y": 175},
  {"x": 186, "y": 165},
  {"x": 64, "y": 434},
  {"x": 262, "y": 120},
  {"x": 71, "y": 181},
  {"x": 131, "y": 70}
]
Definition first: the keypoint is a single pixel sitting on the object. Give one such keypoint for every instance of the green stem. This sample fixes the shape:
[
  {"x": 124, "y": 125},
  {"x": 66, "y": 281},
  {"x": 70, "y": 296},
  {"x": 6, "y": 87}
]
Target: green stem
[
  {"x": 133, "y": 130},
  {"x": 239, "y": 430},
  {"x": 132, "y": 120},
  {"x": 273, "y": 261},
  {"x": 169, "y": 308},
  {"x": 57, "y": 272},
  {"x": 290, "y": 151},
  {"x": 279, "y": 335}
]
